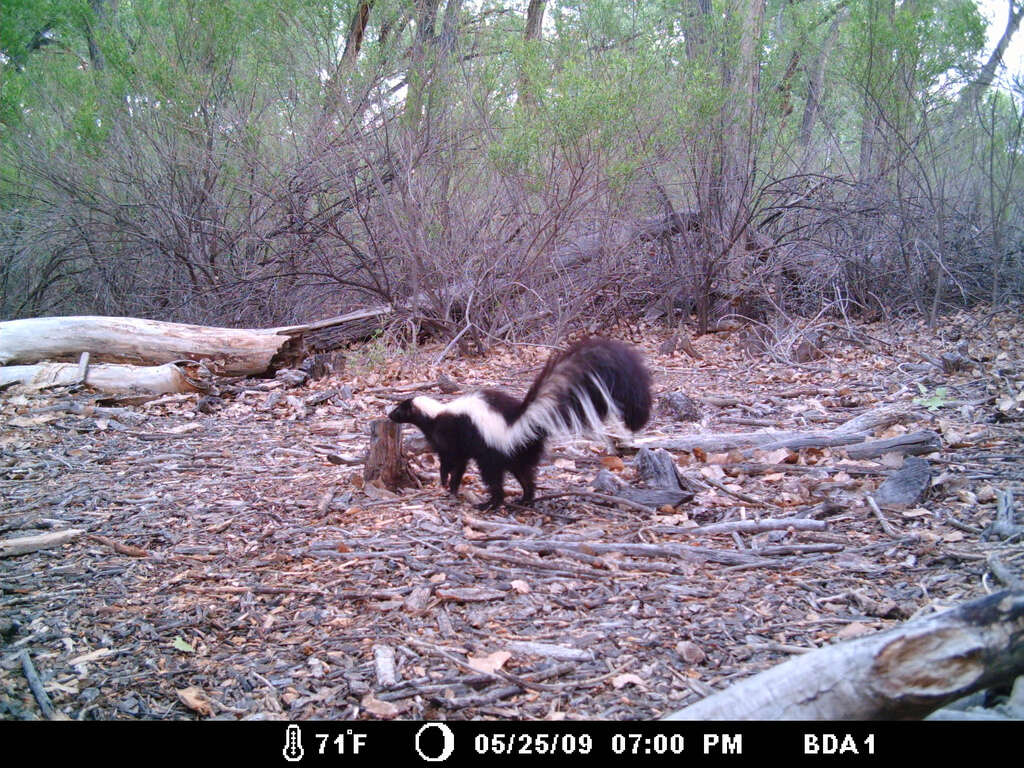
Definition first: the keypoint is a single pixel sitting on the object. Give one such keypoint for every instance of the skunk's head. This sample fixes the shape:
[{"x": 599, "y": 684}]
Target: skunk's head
[{"x": 403, "y": 412}]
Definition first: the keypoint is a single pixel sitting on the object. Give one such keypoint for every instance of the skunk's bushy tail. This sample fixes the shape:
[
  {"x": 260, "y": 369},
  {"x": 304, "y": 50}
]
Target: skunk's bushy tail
[{"x": 582, "y": 388}]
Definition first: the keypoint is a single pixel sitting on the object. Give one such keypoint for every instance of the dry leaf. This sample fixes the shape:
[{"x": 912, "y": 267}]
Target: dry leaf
[
  {"x": 489, "y": 664},
  {"x": 621, "y": 681},
  {"x": 377, "y": 493},
  {"x": 894, "y": 431},
  {"x": 892, "y": 459},
  {"x": 194, "y": 698},
  {"x": 918, "y": 512},
  {"x": 91, "y": 656},
  {"x": 713, "y": 471},
  {"x": 520, "y": 586},
  {"x": 32, "y": 421},
  {"x": 613, "y": 463},
  {"x": 853, "y": 629},
  {"x": 182, "y": 429},
  {"x": 379, "y": 708},
  {"x": 781, "y": 456},
  {"x": 474, "y": 535}
]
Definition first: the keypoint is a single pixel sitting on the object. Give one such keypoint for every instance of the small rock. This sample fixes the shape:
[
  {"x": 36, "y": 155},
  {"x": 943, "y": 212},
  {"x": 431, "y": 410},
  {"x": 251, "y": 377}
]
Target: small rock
[
  {"x": 678, "y": 406},
  {"x": 691, "y": 653}
]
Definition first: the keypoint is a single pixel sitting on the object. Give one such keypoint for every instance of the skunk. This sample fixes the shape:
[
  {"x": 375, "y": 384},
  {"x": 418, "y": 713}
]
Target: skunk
[{"x": 595, "y": 381}]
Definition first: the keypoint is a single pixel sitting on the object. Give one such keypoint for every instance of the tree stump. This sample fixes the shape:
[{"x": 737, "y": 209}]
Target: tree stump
[{"x": 384, "y": 461}]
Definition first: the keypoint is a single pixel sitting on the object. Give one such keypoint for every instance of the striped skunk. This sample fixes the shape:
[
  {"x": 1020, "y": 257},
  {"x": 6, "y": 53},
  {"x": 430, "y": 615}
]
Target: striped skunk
[{"x": 594, "y": 381}]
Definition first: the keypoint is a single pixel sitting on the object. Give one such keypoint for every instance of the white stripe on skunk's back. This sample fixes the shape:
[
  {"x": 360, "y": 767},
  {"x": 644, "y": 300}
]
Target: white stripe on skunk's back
[
  {"x": 427, "y": 406},
  {"x": 492, "y": 426},
  {"x": 544, "y": 416}
]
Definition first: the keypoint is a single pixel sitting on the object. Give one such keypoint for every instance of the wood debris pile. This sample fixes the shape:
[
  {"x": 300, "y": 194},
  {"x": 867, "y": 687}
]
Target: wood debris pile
[{"x": 225, "y": 558}]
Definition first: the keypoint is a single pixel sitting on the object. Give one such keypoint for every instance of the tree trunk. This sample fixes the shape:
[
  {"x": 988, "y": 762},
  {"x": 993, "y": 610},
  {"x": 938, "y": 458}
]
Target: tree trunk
[
  {"x": 817, "y": 80},
  {"x": 532, "y": 33},
  {"x": 970, "y": 95}
]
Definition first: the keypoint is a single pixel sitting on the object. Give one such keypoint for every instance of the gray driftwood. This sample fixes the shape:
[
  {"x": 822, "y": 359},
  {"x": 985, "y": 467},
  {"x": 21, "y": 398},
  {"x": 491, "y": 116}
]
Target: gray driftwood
[
  {"x": 905, "y": 486},
  {"x": 911, "y": 444},
  {"x": 25, "y": 544},
  {"x": 136, "y": 341},
  {"x": 654, "y": 498},
  {"x": 903, "y": 673},
  {"x": 856, "y": 430},
  {"x": 657, "y": 469},
  {"x": 1005, "y": 525}
]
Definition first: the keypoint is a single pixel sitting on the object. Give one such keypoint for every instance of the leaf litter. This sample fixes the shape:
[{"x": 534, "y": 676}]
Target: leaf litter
[{"x": 234, "y": 565}]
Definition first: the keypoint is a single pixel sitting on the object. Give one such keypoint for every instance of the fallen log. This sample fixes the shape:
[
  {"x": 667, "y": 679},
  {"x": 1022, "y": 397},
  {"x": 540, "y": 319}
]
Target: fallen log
[
  {"x": 912, "y": 444},
  {"x": 136, "y": 341},
  {"x": 903, "y": 673},
  {"x": 856, "y": 430},
  {"x": 153, "y": 379}
]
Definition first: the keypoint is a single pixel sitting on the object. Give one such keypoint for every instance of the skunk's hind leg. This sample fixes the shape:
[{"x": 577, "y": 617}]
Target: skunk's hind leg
[
  {"x": 493, "y": 475},
  {"x": 524, "y": 468},
  {"x": 526, "y": 477}
]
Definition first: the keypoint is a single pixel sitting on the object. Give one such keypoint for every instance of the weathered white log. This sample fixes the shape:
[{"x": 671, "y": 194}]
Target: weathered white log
[
  {"x": 132, "y": 340},
  {"x": 137, "y": 341},
  {"x": 903, "y": 673},
  {"x": 25, "y": 544},
  {"x": 155, "y": 379}
]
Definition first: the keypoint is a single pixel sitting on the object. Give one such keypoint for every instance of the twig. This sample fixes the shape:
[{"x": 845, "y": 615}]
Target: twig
[
  {"x": 741, "y": 496},
  {"x": 24, "y": 544},
  {"x": 667, "y": 550},
  {"x": 745, "y": 526},
  {"x": 889, "y": 530},
  {"x": 532, "y": 562},
  {"x": 617, "y": 500},
  {"x": 963, "y": 526},
  {"x": 1003, "y": 573},
  {"x": 37, "y": 686},
  {"x": 521, "y": 682}
]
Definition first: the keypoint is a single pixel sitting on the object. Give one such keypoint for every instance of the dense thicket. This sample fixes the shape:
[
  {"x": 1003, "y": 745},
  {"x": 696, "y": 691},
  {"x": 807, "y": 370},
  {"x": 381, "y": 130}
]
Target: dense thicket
[{"x": 495, "y": 166}]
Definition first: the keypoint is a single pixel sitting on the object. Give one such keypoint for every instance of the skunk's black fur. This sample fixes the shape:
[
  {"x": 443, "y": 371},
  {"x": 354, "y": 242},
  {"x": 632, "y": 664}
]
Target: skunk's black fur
[{"x": 594, "y": 381}]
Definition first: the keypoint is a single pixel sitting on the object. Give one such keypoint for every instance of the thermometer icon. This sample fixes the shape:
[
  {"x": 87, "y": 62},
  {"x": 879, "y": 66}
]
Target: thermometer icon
[{"x": 293, "y": 750}]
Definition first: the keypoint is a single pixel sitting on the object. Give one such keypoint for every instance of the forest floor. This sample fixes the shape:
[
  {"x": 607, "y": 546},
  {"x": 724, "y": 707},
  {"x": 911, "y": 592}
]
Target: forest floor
[{"x": 233, "y": 564}]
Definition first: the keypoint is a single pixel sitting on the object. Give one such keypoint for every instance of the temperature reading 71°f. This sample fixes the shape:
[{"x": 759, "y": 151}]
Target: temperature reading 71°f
[{"x": 347, "y": 743}]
